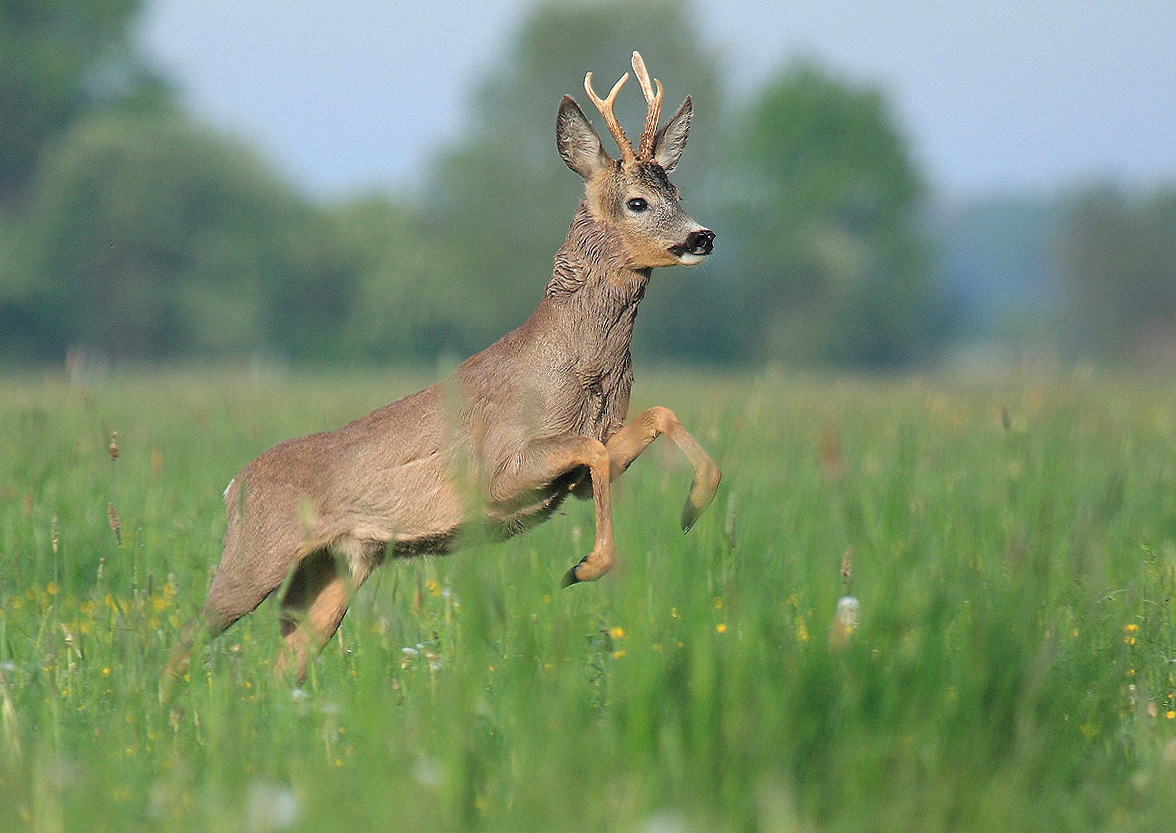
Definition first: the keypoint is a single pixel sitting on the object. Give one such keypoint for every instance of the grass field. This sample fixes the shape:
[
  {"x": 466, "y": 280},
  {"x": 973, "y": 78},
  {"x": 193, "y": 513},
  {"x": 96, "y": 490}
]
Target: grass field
[{"x": 1012, "y": 547}]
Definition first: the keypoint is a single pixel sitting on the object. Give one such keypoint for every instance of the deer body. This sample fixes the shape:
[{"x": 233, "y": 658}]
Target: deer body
[{"x": 538, "y": 415}]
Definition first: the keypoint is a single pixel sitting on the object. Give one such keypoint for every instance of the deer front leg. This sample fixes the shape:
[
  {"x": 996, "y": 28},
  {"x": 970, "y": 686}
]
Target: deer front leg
[
  {"x": 627, "y": 444},
  {"x": 544, "y": 461}
]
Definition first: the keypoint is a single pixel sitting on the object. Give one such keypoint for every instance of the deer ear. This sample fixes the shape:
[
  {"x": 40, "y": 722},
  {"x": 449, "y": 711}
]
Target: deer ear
[
  {"x": 671, "y": 139},
  {"x": 577, "y": 140}
]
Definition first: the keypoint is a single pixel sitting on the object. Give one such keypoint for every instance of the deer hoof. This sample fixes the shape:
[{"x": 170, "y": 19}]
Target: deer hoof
[{"x": 570, "y": 576}]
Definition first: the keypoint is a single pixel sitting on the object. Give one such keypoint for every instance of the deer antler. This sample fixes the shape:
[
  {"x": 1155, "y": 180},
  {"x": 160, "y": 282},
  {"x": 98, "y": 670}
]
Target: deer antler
[
  {"x": 652, "y": 90},
  {"x": 605, "y": 107},
  {"x": 653, "y": 101}
]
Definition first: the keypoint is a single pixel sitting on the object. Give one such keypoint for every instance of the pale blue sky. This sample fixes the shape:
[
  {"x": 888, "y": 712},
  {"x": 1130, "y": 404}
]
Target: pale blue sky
[{"x": 997, "y": 96}]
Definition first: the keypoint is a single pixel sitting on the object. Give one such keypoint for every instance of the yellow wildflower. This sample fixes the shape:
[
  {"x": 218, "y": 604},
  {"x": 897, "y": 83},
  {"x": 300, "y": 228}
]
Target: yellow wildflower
[
  {"x": 1130, "y": 629},
  {"x": 801, "y": 629}
]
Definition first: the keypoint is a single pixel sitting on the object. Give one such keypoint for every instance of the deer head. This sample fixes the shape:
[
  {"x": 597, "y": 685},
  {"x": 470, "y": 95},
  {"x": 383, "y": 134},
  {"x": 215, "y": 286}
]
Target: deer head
[{"x": 633, "y": 194}]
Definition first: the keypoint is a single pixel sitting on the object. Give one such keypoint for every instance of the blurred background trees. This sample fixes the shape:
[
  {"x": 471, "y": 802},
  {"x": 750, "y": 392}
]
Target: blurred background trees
[
  {"x": 59, "y": 60},
  {"x": 824, "y": 203},
  {"x": 1117, "y": 256},
  {"x": 130, "y": 229},
  {"x": 148, "y": 236}
]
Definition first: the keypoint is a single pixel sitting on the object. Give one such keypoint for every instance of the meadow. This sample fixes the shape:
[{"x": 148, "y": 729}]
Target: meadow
[{"x": 1011, "y": 545}]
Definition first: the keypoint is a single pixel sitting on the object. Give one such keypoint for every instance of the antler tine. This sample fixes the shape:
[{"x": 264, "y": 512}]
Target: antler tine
[
  {"x": 605, "y": 106},
  {"x": 653, "y": 101}
]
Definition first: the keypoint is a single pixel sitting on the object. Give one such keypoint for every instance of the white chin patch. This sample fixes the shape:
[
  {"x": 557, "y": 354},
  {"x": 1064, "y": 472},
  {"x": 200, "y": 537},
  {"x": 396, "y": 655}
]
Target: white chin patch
[{"x": 688, "y": 259}]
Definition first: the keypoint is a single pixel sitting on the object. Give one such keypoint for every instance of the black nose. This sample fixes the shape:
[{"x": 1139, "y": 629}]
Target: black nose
[{"x": 700, "y": 242}]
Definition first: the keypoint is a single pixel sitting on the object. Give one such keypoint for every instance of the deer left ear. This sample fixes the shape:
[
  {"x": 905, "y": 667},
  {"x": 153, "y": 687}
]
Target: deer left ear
[{"x": 671, "y": 139}]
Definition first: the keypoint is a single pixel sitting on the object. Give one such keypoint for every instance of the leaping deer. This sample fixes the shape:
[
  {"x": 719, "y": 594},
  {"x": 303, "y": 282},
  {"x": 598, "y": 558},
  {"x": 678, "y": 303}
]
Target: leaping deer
[{"x": 535, "y": 417}]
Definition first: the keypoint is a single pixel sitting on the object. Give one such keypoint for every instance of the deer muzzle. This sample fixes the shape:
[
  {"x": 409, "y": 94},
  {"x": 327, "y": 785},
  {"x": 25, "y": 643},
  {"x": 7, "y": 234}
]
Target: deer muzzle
[{"x": 698, "y": 244}]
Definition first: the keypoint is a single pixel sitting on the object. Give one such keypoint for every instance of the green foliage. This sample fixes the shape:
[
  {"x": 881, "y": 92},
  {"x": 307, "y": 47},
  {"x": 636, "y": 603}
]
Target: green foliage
[
  {"x": 407, "y": 302},
  {"x": 823, "y": 201},
  {"x": 58, "y": 60},
  {"x": 1010, "y": 669},
  {"x": 1117, "y": 257},
  {"x": 147, "y": 235}
]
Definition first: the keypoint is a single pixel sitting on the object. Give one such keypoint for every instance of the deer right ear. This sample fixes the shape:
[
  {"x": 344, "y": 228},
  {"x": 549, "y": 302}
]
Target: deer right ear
[{"x": 579, "y": 146}]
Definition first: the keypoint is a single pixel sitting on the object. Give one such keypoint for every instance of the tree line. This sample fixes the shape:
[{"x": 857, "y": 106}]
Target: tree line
[{"x": 129, "y": 228}]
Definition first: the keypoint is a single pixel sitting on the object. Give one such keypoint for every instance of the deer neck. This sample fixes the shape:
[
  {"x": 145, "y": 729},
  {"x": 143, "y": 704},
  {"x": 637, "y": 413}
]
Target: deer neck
[
  {"x": 584, "y": 325},
  {"x": 593, "y": 287}
]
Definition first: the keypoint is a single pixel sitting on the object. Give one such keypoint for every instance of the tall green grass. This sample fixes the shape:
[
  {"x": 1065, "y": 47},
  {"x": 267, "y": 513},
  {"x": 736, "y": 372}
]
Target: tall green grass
[{"x": 1012, "y": 546}]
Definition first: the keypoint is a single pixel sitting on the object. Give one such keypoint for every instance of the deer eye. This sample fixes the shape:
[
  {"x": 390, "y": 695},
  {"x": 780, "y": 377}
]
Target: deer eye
[{"x": 637, "y": 205}]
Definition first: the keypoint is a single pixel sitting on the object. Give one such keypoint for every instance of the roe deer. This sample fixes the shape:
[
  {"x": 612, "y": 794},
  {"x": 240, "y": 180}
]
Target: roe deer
[{"x": 535, "y": 417}]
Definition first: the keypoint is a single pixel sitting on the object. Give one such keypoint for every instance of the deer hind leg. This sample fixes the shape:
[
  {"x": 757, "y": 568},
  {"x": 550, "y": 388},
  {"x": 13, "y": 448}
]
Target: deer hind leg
[
  {"x": 545, "y": 461},
  {"x": 626, "y": 445},
  {"x": 313, "y": 605}
]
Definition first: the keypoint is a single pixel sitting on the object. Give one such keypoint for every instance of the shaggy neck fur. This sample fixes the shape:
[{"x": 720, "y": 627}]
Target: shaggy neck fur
[
  {"x": 593, "y": 255},
  {"x": 594, "y": 292}
]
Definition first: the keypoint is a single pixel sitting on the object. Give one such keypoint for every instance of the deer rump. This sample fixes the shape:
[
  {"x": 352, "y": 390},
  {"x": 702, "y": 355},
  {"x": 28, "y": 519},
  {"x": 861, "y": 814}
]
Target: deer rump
[{"x": 536, "y": 416}]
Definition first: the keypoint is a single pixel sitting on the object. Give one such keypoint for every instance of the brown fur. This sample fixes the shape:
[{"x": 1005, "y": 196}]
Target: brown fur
[{"x": 535, "y": 417}]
